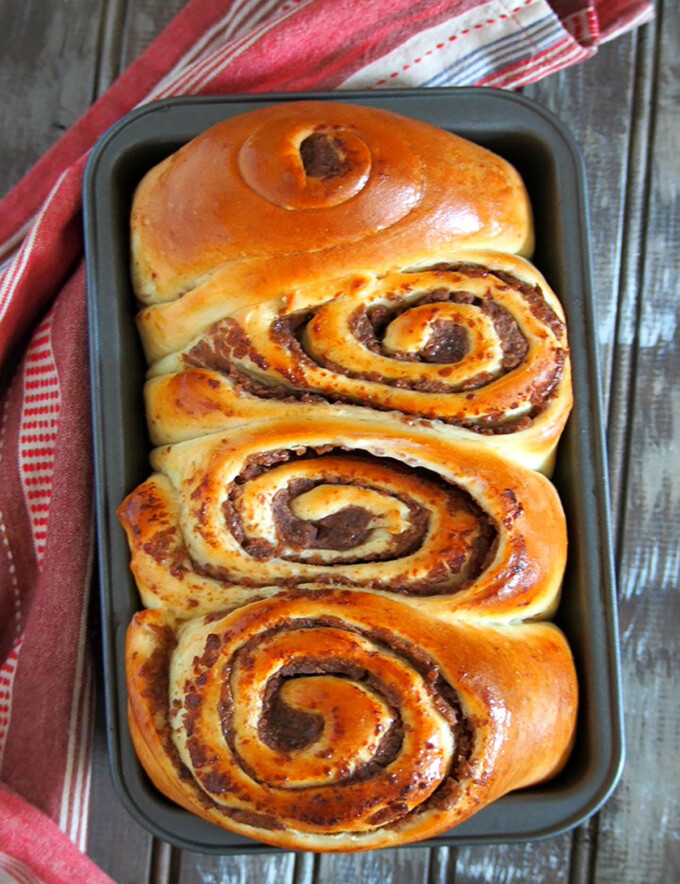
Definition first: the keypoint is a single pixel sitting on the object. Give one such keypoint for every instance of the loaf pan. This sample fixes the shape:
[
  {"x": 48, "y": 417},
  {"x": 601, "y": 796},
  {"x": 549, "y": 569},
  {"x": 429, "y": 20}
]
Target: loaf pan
[{"x": 544, "y": 153}]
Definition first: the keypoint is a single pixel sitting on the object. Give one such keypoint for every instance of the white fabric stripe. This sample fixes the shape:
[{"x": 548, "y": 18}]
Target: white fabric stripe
[
  {"x": 546, "y": 62},
  {"x": 425, "y": 54},
  {"x": 222, "y": 29},
  {"x": 8, "y": 667},
  {"x": 212, "y": 37},
  {"x": 12, "y": 571},
  {"x": 11, "y": 567},
  {"x": 199, "y": 75},
  {"x": 217, "y": 42},
  {"x": 207, "y": 68},
  {"x": 8, "y": 673},
  {"x": 500, "y": 53},
  {"x": 546, "y": 67},
  {"x": 5, "y": 265},
  {"x": 14, "y": 272},
  {"x": 77, "y": 759},
  {"x": 19, "y": 872},
  {"x": 37, "y": 435},
  {"x": 77, "y": 828},
  {"x": 10, "y": 246},
  {"x": 250, "y": 15},
  {"x": 86, "y": 781}
]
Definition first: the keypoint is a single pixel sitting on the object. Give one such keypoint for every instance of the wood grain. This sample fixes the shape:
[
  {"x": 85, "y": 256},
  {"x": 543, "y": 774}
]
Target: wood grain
[
  {"x": 48, "y": 60},
  {"x": 544, "y": 861},
  {"x": 403, "y": 866},
  {"x": 595, "y": 101},
  {"x": 116, "y": 842},
  {"x": 639, "y": 827},
  {"x": 277, "y": 868}
]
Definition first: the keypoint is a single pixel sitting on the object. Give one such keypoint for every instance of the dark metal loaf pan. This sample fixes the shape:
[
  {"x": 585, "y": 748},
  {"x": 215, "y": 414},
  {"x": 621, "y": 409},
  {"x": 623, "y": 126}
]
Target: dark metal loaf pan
[{"x": 538, "y": 145}]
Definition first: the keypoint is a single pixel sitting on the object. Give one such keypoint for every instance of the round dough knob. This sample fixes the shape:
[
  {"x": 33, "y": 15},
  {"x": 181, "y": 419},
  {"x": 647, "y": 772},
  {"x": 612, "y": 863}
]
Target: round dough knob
[{"x": 298, "y": 167}]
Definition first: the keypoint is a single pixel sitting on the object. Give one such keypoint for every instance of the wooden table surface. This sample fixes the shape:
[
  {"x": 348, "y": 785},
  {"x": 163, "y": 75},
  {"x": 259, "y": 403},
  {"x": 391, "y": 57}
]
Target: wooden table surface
[{"x": 57, "y": 56}]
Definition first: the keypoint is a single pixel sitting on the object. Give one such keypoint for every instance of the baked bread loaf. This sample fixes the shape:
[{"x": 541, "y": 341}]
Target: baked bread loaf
[
  {"x": 355, "y": 379},
  {"x": 341, "y": 254}
]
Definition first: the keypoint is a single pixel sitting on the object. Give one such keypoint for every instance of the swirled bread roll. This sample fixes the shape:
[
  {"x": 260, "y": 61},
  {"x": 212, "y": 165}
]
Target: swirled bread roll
[
  {"x": 479, "y": 343},
  {"x": 344, "y": 254},
  {"x": 355, "y": 375},
  {"x": 450, "y": 527},
  {"x": 344, "y": 721}
]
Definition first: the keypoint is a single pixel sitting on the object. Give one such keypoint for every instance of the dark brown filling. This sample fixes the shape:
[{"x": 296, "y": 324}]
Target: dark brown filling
[
  {"x": 283, "y": 728},
  {"x": 323, "y": 156},
  {"x": 448, "y": 344},
  {"x": 221, "y": 344},
  {"x": 286, "y": 729},
  {"x": 341, "y": 531},
  {"x": 349, "y": 527},
  {"x": 226, "y": 341}
]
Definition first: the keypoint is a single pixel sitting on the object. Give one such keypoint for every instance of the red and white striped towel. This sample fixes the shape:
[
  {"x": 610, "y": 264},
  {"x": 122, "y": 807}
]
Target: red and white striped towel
[{"x": 212, "y": 47}]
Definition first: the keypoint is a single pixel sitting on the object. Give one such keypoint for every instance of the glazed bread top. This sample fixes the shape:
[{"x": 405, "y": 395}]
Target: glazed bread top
[{"x": 295, "y": 193}]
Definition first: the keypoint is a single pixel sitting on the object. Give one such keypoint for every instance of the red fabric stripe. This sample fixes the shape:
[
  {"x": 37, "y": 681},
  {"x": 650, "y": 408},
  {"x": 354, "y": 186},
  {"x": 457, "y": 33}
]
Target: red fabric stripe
[
  {"x": 33, "y": 839},
  {"x": 614, "y": 15},
  {"x": 527, "y": 70},
  {"x": 18, "y": 564},
  {"x": 56, "y": 246},
  {"x": 58, "y": 593},
  {"x": 293, "y": 57}
]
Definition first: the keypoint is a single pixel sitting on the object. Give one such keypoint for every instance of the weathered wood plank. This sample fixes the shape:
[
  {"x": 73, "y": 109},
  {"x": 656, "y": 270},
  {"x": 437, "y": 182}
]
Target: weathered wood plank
[
  {"x": 589, "y": 99},
  {"x": 273, "y": 868},
  {"x": 544, "y": 861},
  {"x": 594, "y": 100},
  {"x": 48, "y": 60},
  {"x": 66, "y": 53},
  {"x": 144, "y": 21},
  {"x": 622, "y": 377},
  {"x": 639, "y": 827},
  {"x": 404, "y": 866},
  {"x": 116, "y": 842},
  {"x": 306, "y": 867},
  {"x": 442, "y": 865}
]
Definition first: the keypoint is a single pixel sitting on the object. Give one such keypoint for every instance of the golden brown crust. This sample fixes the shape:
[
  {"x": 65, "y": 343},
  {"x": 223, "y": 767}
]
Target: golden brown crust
[
  {"x": 399, "y": 190},
  {"x": 453, "y": 529},
  {"x": 478, "y": 342},
  {"x": 353, "y": 377},
  {"x": 444, "y": 717}
]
